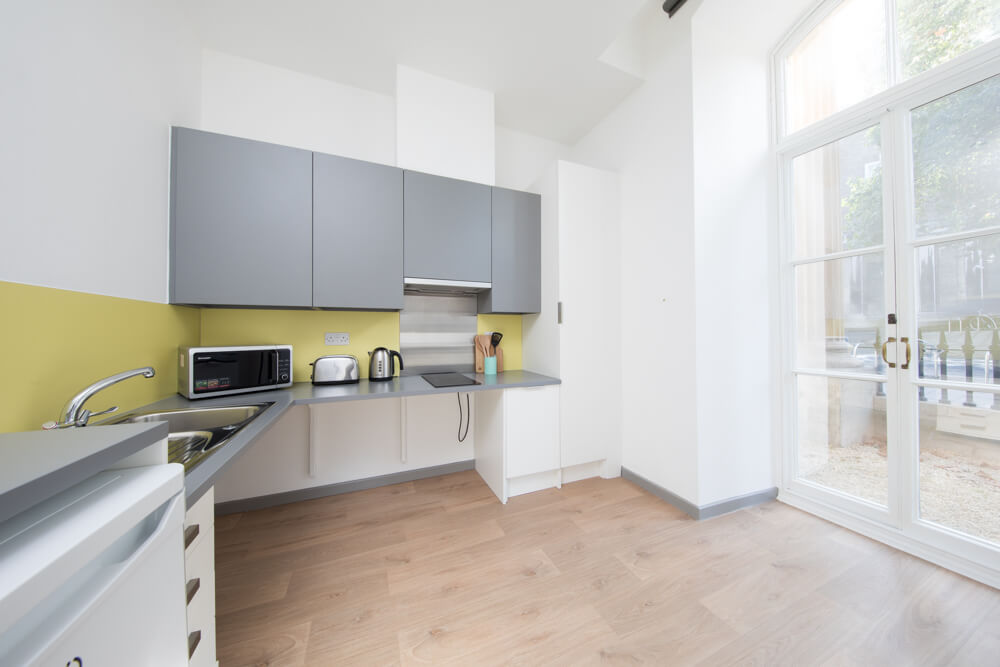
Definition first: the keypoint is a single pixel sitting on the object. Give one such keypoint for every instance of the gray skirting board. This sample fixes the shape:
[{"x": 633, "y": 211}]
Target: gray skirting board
[
  {"x": 260, "y": 502},
  {"x": 704, "y": 511}
]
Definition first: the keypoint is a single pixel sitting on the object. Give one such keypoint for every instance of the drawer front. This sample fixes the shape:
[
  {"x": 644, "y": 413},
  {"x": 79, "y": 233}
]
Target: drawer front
[
  {"x": 199, "y": 565},
  {"x": 969, "y": 422},
  {"x": 199, "y": 581},
  {"x": 201, "y": 619},
  {"x": 199, "y": 521}
]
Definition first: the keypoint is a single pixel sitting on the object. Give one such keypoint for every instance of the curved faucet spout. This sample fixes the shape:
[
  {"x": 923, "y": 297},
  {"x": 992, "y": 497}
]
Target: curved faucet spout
[{"x": 74, "y": 414}]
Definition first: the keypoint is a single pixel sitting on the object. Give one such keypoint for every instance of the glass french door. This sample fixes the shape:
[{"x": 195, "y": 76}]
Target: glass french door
[
  {"x": 951, "y": 250},
  {"x": 891, "y": 299},
  {"x": 842, "y": 291}
]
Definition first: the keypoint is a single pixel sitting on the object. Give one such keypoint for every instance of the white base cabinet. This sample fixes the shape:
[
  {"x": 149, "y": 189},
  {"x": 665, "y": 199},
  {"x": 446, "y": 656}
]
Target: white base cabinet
[
  {"x": 532, "y": 430},
  {"x": 330, "y": 443},
  {"x": 199, "y": 575},
  {"x": 517, "y": 440}
]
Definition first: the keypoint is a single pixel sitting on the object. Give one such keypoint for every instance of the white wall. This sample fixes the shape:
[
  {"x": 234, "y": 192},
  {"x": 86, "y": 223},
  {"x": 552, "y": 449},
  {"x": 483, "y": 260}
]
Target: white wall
[
  {"x": 734, "y": 220},
  {"x": 647, "y": 140},
  {"x": 444, "y": 127},
  {"x": 250, "y": 99},
  {"x": 521, "y": 159},
  {"x": 90, "y": 91},
  {"x": 692, "y": 145}
]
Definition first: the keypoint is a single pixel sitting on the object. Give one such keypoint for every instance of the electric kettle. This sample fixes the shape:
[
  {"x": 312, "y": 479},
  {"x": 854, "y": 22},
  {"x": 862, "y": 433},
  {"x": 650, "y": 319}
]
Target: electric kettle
[{"x": 380, "y": 366}]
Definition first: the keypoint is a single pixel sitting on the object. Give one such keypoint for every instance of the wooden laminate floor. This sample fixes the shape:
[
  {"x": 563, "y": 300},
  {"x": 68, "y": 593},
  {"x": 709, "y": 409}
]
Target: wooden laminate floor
[{"x": 437, "y": 571}]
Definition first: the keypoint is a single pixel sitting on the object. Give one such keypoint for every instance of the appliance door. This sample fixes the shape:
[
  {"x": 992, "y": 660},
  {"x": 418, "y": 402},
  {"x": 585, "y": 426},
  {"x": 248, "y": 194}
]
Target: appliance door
[
  {"x": 218, "y": 371},
  {"x": 123, "y": 605}
]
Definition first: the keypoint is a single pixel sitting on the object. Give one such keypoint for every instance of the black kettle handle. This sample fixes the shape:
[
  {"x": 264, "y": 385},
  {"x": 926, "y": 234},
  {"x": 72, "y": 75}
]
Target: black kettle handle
[{"x": 396, "y": 354}]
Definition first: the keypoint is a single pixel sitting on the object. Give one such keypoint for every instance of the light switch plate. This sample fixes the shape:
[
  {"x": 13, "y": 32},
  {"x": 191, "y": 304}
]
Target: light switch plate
[{"x": 337, "y": 339}]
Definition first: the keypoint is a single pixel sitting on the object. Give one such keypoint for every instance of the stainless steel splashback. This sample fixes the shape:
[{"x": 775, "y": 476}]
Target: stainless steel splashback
[{"x": 436, "y": 333}]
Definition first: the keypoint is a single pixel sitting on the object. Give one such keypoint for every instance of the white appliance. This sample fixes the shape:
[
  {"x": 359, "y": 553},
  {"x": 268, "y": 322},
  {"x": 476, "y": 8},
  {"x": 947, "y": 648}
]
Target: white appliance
[{"x": 95, "y": 575}]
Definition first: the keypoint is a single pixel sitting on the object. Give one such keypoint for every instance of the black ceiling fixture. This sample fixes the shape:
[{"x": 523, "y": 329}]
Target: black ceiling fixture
[{"x": 672, "y": 6}]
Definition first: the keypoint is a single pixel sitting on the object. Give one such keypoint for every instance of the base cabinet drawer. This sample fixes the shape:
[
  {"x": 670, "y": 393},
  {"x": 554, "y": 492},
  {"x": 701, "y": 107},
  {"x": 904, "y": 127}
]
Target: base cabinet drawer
[
  {"x": 199, "y": 584},
  {"x": 969, "y": 421}
]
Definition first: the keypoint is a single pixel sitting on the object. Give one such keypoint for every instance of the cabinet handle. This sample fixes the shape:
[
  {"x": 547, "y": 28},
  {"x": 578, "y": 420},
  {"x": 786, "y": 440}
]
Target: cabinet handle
[
  {"x": 891, "y": 364},
  {"x": 193, "y": 640},
  {"x": 193, "y": 586},
  {"x": 190, "y": 533},
  {"x": 972, "y": 427},
  {"x": 906, "y": 340}
]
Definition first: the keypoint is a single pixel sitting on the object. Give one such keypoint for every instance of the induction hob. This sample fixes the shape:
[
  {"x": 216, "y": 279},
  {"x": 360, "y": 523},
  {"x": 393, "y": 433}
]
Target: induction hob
[{"x": 448, "y": 379}]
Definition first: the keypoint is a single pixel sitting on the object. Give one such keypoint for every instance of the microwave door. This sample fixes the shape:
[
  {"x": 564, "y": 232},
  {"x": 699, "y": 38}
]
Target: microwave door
[
  {"x": 267, "y": 368},
  {"x": 226, "y": 371}
]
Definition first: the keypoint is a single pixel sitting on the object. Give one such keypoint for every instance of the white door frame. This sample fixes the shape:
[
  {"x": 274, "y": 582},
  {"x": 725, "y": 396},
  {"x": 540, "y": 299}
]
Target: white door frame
[{"x": 899, "y": 525}]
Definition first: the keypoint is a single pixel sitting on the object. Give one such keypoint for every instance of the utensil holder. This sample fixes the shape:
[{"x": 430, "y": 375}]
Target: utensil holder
[{"x": 490, "y": 365}]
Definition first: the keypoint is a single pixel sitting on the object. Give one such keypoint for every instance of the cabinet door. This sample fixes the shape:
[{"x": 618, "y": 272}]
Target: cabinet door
[
  {"x": 357, "y": 234},
  {"x": 516, "y": 254},
  {"x": 240, "y": 222},
  {"x": 531, "y": 421},
  {"x": 447, "y": 228}
]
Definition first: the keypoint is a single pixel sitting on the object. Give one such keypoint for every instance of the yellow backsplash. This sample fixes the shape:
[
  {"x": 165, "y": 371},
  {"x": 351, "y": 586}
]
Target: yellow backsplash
[
  {"x": 304, "y": 331},
  {"x": 510, "y": 327},
  {"x": 58, "y": 341}
]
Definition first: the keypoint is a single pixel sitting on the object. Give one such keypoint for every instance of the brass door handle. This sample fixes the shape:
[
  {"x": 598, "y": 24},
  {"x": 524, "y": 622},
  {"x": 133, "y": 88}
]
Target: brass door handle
[
  {"x": 907, "y": 341},
  {"x": 891, "y": 364}
]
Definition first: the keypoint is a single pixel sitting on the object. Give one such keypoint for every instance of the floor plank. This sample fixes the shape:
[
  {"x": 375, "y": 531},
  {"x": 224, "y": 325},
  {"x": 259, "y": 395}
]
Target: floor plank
[{"x": 599, "y": 572}]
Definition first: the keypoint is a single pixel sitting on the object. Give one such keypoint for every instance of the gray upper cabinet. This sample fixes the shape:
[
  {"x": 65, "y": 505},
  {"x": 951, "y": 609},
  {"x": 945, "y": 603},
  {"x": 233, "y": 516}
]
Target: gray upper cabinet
[
  {"x": 240, "y": 222},
  {"x": 447, "y": 228},
  {"x": 517, "y": 254},
  {"x": 357, "y": 234}
]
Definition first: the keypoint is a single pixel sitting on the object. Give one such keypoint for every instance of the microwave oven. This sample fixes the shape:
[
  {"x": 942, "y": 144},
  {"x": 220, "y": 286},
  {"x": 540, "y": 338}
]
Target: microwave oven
[{"x": 220, "y": 371}]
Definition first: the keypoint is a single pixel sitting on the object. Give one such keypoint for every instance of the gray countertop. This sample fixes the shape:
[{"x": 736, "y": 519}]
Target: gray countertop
[
  {"x": 200, "y": 478},
  {"x": 39, "y": 464}
]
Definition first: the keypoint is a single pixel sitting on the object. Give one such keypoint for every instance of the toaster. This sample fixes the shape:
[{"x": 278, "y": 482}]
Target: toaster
[{"x": 335, "y": 369}]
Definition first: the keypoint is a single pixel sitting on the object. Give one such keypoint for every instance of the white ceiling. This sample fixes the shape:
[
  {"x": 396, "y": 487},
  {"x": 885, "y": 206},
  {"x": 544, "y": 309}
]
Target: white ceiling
[{"x": 540, "y": 57}]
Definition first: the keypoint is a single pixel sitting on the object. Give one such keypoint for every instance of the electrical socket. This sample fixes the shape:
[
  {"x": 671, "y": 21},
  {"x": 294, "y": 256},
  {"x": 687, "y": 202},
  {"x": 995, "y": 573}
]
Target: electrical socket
[{"x": 337, "y": 339}]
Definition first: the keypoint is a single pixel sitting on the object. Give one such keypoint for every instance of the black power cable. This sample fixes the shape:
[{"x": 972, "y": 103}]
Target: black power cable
[{"x": 468, "y": 420}]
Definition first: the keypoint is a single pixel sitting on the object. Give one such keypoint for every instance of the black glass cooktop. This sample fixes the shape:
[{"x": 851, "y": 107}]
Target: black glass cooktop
[{"x": 448, "y": 379}]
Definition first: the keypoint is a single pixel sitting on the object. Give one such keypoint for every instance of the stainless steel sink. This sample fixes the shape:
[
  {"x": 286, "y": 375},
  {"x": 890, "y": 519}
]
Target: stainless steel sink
[
  {"x": 196, "y": 432},
  {"x": 190, "y": 446}
]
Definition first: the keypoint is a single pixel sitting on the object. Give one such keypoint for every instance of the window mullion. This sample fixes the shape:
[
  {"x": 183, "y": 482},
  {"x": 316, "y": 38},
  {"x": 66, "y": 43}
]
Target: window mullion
[{"x": 894, "y": 66}]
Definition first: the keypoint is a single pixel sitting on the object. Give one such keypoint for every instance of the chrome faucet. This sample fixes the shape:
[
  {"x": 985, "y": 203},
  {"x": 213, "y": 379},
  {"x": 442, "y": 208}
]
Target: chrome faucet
[{"x": 74, "y": 414}]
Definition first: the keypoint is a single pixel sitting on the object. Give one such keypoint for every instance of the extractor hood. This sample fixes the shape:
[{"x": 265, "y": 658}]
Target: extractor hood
[{"x": 452, "y": 287}]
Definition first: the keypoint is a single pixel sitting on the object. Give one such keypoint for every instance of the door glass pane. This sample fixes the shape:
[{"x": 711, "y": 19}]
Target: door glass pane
[
  {"x": 840, "y": 314},
  {"x": 956, "y": 160},
  {"x": 840, "y": 62},
  {"x": 958, "y": 310},
  {"x": 931, "y": 32},
  {"x": 837, "y": 195},
  {"x": 960, "y": 464},
  {"x": 842, "y": 436}
]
